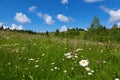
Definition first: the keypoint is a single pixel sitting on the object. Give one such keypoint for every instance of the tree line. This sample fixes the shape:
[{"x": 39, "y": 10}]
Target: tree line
[
  {"x": 70, "y": 33},
  {"x": 96, "y": 32}
]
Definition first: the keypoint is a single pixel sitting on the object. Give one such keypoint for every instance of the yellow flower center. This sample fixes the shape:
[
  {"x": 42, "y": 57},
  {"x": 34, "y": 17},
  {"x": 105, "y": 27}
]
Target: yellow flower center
[{"x": 83, "y": 62}]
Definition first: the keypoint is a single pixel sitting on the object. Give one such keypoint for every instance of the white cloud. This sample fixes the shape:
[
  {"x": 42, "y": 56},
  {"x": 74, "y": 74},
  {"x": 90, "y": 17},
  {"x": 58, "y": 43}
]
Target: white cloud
[
  {"x": 92, "y": 1},
  {"x": 39, "y": 14},
  {"x": 20, "y": 27},
  {"x": 22, "y": 18},
  {"x": 105, "y": 9},
  {"x": 118, "y": 24},
  {"x": 63, "y": 28},
  {"x": 4, "y": 26},
  {"x": 86, "y": 29},
  {"x": 16, "y": 27},
  {"x": 64, "y": 1},
  {"x": 62, "y": 18},
  {"x": 32, "y": 9},
  {"x": 13, "y": 26},
  {"x": 114, "y": 14},
  {"x": 48, "y": 19}
]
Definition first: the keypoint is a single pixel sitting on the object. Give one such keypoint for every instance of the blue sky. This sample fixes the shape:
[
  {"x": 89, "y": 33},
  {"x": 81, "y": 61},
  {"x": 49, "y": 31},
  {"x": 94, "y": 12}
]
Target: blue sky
[{"x": 43, "y": 15}]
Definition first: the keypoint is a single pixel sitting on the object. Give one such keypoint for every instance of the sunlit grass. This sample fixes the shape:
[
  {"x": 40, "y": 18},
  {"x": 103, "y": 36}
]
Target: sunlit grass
[{"x": 33, "y": 57}]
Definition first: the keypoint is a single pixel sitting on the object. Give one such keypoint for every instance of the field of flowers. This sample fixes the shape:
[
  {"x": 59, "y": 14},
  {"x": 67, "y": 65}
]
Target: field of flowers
[{"x": 36, "y": 57}]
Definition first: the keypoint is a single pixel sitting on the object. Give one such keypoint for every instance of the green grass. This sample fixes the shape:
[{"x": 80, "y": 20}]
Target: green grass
[{"x": 48, "y": 61}]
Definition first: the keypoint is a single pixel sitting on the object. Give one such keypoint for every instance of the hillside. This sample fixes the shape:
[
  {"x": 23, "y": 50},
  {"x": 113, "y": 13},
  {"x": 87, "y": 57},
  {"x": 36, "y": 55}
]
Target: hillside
[{"x": 35, "y": 57}]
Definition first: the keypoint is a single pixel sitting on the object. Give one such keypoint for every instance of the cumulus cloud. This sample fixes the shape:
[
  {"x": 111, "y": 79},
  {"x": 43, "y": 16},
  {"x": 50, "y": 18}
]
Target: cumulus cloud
[
  {"x": 92, "y": 1},
  {"x": 16, "y": 27},
  {"x": 4, "y": 26},
  {"x": 64, "y": 1},
  {"x": 32, "y": 9},
  {"x": 62, "y": 18},
  {"x": 105, "y": 9},
  {"x": 114, "y": 14},
  {"x": 22, "y": 18},
  {"x": 118, "y": 24},
  {"x": 39, "y": 14},
  {"x": 13, "y": 26},
  {"x": 63, "y": 28},
  {"x": 48, "y": 19}
]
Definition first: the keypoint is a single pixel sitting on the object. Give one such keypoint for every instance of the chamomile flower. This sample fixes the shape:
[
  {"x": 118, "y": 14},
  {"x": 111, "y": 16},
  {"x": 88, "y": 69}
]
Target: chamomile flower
[
  {"x": 31, "y": 59},
  {"x": 70, "y": 56},
  {"x": 92, "y": 71},
  {"x": 79, "y": 49},
  {"x": 36, "y": 66},
  {"x": 89, "y": 73},
  {"x": 84, "y": 63},
  {"x": 65, "y": 71},
  {"x": 9, "y": 63},
  {"x": 43, "y": 54},
  {"x": 117, "y": 79},
  {"x": 76, "y": 56},
  {"x": 52, "y": 63},
  {"x": 55, "y": 67},
  {"x": 51, "y": 69},
  {"x": 37, "y": 61},
  {"x": 72, "y": 68},
  {"x": 87, "y": 69},
  {"x": 104, "y": 61}
]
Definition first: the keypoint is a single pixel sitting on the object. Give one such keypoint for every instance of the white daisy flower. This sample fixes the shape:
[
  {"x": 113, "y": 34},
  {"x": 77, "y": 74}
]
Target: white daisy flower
[
  {"x": 65, "y": 71},
  {"x": 87, "y": 69},
  {"x": 36, "y": 65},
  {"x": 76, "y": 56},
  {"x": 51, "y": 69},
  {"x": 68, "y": 54},
  {"x": 79, "y": 49},
  {"x": 72, "y": 68},
  {"x": 92, "y": 71},
  {"x": 9, "y": 63},
  {"x": 55, "y": 67},
  {"x": 101, "y": 50},
  {"x": 63, "y": 59},
  {"x": 43, "y": 54},
  {"x": 31, "y": 59},
  {"x": 89, "y": 73},
  {"x": 117, "y": 79},
  {"x": 37, "y": 61},
  {"x": 53, "y": 63},
  {"x": 90, "y": 49},
  {"x": 104, "y": 61},
  {"x": 84, "y": 63}
]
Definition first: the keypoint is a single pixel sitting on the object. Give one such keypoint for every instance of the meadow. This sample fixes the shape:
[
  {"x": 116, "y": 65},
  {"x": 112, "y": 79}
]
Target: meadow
[{"x": 34, "y": 57}]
